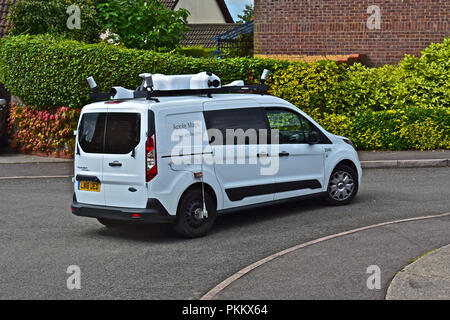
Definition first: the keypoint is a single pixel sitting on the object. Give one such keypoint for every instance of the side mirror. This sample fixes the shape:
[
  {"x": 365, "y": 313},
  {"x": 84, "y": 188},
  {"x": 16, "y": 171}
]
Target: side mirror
[{"x": 313, "y": 137}]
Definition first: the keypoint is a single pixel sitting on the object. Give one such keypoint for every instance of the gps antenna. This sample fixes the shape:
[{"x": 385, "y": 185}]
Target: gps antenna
[
  {"x": 147, "y": 82},
  {"x": 264, "y": 76},
  {"x": 92, "y": 84}
]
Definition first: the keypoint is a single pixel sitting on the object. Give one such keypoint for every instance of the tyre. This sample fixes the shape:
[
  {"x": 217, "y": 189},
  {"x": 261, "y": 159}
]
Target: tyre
[
  {"x": 343, "y": 186},
  {"x": 189, "y": 222},
  {"x": 109, "y": 223}
]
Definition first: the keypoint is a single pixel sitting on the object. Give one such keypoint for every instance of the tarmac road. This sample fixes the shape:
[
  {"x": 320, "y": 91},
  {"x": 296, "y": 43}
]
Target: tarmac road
[{"x": 40, "y": 238}]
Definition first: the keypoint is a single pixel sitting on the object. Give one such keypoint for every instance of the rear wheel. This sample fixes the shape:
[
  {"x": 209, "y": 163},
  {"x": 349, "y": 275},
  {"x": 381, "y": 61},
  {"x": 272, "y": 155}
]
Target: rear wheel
[
  {"x": 189, "y": 221},
  {"x": 343, "y": 185},
  {"x": 109, "y": 223}
]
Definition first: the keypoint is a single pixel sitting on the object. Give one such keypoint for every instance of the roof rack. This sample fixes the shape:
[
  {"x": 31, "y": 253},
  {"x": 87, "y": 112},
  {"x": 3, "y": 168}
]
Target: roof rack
[{"x": 146, "y": 90}]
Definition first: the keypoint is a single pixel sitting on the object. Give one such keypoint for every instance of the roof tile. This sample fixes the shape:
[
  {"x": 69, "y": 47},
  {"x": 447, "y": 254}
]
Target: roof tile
[
  {"x": 201, "y": 34},
  {"x": 169, "y": 4}
]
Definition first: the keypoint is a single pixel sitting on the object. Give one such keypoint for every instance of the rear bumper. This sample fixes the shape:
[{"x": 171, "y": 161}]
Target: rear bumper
[{"x": 154, "y": 213}]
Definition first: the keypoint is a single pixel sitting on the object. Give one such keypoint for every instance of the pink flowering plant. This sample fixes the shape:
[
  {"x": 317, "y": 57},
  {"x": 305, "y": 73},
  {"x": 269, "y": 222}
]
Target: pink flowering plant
[{"x": 43, "y": 131}]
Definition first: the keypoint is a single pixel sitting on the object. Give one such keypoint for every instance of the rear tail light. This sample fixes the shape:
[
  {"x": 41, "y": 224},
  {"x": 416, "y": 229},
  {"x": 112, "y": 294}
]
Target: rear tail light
[{"x": 150, "y": 158}]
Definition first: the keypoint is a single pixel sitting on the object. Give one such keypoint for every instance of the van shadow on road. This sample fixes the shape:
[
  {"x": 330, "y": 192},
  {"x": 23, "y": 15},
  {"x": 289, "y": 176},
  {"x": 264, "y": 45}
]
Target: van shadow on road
[{"x": 225, "y": 223}]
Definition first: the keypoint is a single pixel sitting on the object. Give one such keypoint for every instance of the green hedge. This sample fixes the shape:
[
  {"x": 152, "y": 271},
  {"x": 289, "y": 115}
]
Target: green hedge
[
  {"x": 324, "y": 86},
  {"x": 195, "y": 52},
  {"x": 412, "y": 128},
  {"x": 389, "y": 108},
  {"x": 46, "y": 72}
]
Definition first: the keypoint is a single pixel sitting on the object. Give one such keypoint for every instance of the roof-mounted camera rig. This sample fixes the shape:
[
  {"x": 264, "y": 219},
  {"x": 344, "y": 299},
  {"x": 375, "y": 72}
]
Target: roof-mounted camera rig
[{"x": 158, "y": 85}]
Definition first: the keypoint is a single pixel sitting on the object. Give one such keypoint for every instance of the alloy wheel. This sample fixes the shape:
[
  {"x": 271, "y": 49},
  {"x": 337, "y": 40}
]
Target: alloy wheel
[{"x": 341, "y": 186}]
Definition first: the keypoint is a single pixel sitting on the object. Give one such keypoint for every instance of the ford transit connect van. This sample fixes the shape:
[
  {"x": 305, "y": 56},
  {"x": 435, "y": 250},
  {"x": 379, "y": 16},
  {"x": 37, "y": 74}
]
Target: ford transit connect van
[{"x": 190, "y": 156}]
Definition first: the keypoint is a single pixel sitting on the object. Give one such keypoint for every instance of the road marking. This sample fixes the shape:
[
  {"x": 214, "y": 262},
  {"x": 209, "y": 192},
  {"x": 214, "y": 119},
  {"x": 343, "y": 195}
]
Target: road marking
[
  {"x": 35, "y": 177},
  {"x": 221, "y": 286}
]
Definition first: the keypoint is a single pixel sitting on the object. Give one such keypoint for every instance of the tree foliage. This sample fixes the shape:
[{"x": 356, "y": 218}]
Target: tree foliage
[
  {"x": 50, "y": 16},
  {"x": 247, "y": 14},
  {"x": 144, "y": 24}
]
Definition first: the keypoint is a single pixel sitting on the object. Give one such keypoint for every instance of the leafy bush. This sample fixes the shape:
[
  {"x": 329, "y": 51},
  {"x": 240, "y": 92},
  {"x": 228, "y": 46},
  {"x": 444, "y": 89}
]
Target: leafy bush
[
  {"x": 413, "y": 128},
  {"x": 311, "y": 86},
  {"x": 50, "y": 16},
  {"x": 195, "y": 52},
  {"x": 44, "y": 131},
  {"x": 144, "y": 24},
  {"x": 390, "y": 108},
  {"x": 47, "y": 72},
  {"x": 324, "y": 86}
]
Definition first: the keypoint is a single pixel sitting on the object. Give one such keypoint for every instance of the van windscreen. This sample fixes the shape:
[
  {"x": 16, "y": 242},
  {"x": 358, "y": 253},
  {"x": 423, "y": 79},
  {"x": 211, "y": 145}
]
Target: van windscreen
[{"x": 121, "y": 136}]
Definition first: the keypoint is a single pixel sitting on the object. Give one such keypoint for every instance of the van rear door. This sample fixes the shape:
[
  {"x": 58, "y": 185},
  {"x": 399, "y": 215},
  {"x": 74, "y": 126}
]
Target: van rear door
[
  {"x": 88, "y": 186},
  {"x": 124, "y": 157}
]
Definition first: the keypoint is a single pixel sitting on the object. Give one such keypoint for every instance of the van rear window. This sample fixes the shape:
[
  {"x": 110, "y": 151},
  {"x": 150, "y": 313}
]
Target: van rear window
[
  {"x": 121, "y": 135},
  {"x": 122, "y": 132},
  {"x": 91, "y": 133}
]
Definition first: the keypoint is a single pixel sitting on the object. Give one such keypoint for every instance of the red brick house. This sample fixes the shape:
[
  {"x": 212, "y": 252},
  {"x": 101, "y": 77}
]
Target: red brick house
[
  {"x": 308, "y": 29},
  {"x": 4, "y": 9},
  {"x": 207, "y": 19}
]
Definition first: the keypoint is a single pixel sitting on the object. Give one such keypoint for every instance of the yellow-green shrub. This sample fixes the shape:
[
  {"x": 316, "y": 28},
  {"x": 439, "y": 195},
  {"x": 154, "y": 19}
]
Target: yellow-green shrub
[{"x": 411, "y": 128}]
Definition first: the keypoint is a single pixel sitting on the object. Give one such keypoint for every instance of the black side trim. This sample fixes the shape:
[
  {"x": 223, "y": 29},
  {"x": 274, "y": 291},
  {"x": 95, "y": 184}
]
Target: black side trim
[
  {"x": 187, "y": 155},
  {"x": 273, "y": 203},
  {"x": 151, "y": 123},
  {"x": 236, "y": 194},
  {"x": 81, "y": 177}
]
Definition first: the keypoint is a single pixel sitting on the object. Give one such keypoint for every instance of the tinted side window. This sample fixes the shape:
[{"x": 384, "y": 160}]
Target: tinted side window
[
  {"x": 288, "y": 124},
  {"x": 122, "y": 132},
  {"x": 250, "y": 120},
  {"x": 308, "y": 127},
  {"x": 91, "y": 132}
]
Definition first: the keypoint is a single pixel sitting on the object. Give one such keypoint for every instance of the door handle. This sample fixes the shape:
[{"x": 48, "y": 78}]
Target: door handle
[
  {"x": 115, "y": 164},
  {"x": 284, "y": 154},
  {"x": 262, "y": 155}
]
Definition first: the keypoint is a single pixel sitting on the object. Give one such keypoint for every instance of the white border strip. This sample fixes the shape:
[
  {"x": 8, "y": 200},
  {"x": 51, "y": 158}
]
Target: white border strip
[{"x": 221, "y": 286}]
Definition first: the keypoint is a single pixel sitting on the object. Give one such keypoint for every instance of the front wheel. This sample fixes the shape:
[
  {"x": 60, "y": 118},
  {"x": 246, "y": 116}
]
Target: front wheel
[
  {"x": 189, "y": 221},
  {"x": 343, "y": 186}
]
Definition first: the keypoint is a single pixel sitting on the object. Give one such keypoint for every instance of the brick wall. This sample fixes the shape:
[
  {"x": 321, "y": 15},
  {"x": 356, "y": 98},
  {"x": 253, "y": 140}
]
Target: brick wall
[
  {"x": 339, "y": 27},
  {"x": 4, "y": 10}
]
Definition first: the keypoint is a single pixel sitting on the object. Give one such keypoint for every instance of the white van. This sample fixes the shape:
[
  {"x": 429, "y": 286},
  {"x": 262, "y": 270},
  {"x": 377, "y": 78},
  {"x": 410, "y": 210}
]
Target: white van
[{"x": 184, "y": 154}]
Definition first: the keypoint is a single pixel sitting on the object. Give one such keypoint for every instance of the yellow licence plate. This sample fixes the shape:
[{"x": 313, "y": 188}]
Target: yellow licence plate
[{"x": 89, "y": 186}]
